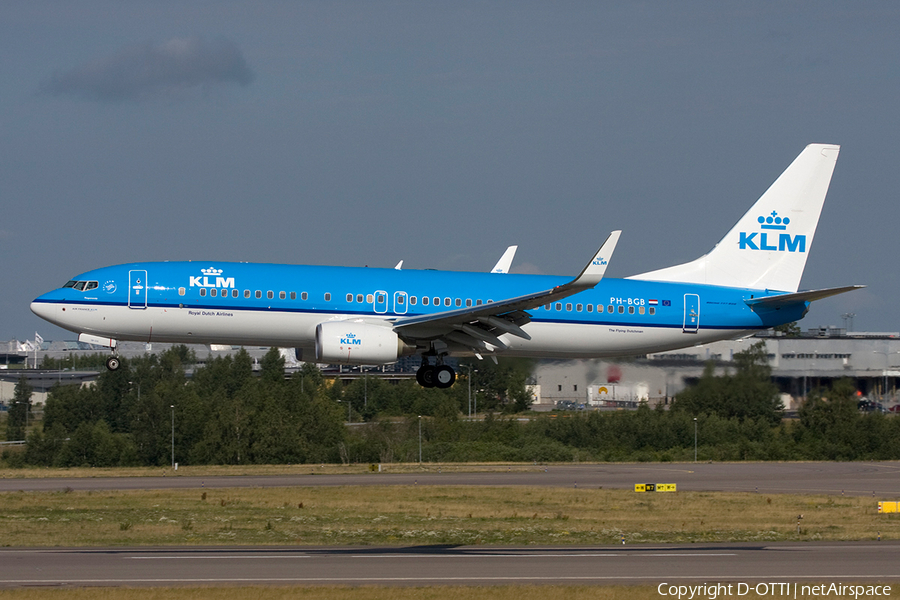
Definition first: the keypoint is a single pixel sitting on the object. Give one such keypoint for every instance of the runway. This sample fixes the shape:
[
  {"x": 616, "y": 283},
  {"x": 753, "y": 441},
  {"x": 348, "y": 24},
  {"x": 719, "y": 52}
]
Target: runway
[
  {"x": 877, "y": 479},
  {"x": 703, "y": 563}
]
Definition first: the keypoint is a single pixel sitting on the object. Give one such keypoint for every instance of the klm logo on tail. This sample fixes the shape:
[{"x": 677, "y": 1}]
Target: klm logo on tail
[{"x": 778, "y": 242}]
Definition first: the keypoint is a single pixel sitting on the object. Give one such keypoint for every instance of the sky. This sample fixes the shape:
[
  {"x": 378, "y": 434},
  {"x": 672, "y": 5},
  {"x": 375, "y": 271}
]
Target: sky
[{"x": 362, "y": 133}]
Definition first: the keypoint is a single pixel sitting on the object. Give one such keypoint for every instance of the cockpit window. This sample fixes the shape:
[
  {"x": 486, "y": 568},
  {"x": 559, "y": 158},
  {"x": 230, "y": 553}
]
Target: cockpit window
[{"x": 82, "y": 286}]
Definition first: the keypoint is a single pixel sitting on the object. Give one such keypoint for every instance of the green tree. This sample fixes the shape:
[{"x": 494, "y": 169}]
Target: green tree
[
  {"x": 19, "y": 409},
  {"x": 748, "y": 394}
]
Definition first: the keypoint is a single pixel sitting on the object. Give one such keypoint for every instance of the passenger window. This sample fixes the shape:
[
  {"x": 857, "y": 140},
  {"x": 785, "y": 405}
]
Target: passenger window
[
  {"x": 621, "y": 309},
  {"x": 293, "y": 295},
  {"x": 181, "y": 291},
  {"x": 270, "y": 294},
  {"x": 630, "y": 310},
  {"x": 246, "y": 293},
  {"x": 359, "y": 298},
  {"x": 370, "y": 298},
  {"x": 652, "y": 310},
  {"x": 213, "y": 292},
  {"x": 578, "y": 308},
  {"x": 413, "y": 300},
  {"x": 547, "y": 307},
  {"x": 282, "y": 295},
  {"x": 203, "y": 291},
  {"x": 569, "y": 307},
  {"x": 380, "y": 298},
  {"x": 641, "y": 310},
  {"x": 468, "y": 302},
  {"x": 327, "y": 296},
  {"x": 349, "y": 297},
  {"x": 424, "y": 300},
  {"x": 559, "y": 306},
  {"x": 400, "y": 300},
  {"x": 447, "y": 302},
  {"x": 478, "y": 303},
  {"x": 609, "y": 308},
  {"x": 437, "y": 301},
  {"x": 590, "y": 308},
  {"x": 258, "y": 294},
  {"x": 458, "y": 302},
  {"x": 234, "y": 293},
  {"x": 304, "y": 295}
]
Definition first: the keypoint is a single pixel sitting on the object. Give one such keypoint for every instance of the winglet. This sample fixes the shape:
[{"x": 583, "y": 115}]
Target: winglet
[
  {"x": 505, "y": 261},
  {"x": 399, "y": 265},
  {"x": 593, "y": 272}
]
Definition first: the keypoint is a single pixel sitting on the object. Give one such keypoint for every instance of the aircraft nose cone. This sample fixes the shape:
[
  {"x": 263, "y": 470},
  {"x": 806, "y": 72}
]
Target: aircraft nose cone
[{"x": 43, "y": 310}]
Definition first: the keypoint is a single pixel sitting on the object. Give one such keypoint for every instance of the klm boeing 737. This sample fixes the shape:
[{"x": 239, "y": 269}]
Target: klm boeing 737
[{"x": 360, "y": 316}]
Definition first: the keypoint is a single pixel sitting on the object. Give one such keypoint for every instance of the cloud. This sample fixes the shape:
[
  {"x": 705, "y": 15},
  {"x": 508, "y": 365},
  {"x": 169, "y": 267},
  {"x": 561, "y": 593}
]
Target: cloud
[{"x": 146, "y": 70}]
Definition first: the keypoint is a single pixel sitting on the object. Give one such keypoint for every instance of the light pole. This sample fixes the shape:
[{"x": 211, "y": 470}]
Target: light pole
[
  {"x": 470, "y": 387},
  {"x": 173, "y": 436},
  {"x": 420, "y": 439},
  {"x": 695, "y": 439}
]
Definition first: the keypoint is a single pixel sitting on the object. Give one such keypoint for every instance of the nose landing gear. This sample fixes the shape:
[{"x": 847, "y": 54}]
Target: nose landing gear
[{"x": 113, "y": 363}]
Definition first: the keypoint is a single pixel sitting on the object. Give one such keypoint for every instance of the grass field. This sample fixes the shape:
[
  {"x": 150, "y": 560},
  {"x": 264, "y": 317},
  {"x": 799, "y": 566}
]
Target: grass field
[
  {"x": 412, "y": 515},
  {"x": 368, "y": 593}
]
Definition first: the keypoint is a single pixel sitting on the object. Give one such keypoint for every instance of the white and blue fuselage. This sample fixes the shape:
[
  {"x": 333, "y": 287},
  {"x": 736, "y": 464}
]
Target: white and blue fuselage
[{"x": 281, "y": 305}]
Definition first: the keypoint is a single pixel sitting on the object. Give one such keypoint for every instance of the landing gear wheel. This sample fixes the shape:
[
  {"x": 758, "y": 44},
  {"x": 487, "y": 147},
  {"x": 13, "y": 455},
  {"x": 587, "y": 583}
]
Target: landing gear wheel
[
  {"x": 444, "y": 376},
  {"x": 425, "y": 376},
  {"x": 113, "y": 363}
]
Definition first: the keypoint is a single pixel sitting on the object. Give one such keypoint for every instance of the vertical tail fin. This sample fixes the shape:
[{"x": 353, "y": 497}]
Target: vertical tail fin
[{"x": 767, "y": 248}]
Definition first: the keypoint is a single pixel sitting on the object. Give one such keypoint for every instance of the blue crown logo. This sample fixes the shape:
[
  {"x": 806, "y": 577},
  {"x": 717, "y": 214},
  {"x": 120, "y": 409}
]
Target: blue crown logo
[{"x": 773, "y": 221}]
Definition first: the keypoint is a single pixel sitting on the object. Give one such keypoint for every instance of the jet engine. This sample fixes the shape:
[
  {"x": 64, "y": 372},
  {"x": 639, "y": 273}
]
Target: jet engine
[{"x": 348, "y": 343}]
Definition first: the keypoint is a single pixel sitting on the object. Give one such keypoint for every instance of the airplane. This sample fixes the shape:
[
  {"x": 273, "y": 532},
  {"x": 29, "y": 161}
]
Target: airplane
[{"x": 363, "y": 316}]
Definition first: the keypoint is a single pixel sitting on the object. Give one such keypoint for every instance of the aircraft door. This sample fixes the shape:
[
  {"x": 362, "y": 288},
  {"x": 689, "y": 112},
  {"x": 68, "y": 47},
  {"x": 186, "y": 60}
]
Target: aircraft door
[
  {"x": 137, "y": 289},
  {"x": 691, "y": 313},
  {"x": 400, "y": 302},
  {"x": 380, "y": 304}
]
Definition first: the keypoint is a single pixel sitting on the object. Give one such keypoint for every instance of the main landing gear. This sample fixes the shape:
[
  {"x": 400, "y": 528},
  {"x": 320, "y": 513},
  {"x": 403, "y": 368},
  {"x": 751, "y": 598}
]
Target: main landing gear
[{"x": 439, "y": 375}]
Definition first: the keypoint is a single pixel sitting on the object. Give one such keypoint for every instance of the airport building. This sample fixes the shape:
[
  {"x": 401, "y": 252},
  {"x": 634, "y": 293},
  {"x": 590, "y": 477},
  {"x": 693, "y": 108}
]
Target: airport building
[{"x": 799, "y": 364}]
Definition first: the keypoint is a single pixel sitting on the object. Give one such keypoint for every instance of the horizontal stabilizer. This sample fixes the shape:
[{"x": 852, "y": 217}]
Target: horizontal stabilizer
[{"x": 808, "y": 296}]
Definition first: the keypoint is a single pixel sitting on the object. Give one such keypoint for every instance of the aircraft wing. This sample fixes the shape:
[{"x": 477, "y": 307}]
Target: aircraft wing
[{"x": 476, "y": 325}]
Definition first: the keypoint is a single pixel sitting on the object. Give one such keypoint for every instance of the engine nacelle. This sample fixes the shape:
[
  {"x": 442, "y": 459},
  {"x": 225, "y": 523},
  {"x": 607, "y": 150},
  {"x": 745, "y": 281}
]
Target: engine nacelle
[{"x": 343, "y": 342}]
